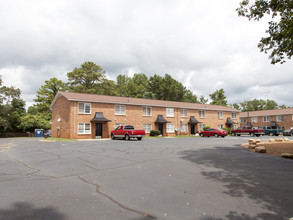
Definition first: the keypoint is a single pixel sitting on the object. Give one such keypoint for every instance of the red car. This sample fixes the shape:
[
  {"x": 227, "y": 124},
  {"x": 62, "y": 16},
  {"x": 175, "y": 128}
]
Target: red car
[{"x": 213, "y": 132}]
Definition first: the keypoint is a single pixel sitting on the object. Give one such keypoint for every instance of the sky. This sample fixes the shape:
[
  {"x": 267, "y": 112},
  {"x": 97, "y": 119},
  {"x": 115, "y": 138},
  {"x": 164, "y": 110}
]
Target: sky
[{"x": 202, "y": 44}]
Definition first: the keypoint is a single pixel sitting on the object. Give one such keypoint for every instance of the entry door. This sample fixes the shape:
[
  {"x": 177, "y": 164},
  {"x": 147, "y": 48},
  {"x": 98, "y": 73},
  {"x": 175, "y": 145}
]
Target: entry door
[
  {"x": 99, "y": 129},
  {"x": 161, "y": 128},
  {"x": 192, "y": 129}
]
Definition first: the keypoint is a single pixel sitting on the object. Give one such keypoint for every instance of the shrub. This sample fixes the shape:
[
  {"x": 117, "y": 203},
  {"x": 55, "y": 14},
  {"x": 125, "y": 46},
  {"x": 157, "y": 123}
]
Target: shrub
[
  {"x": 155, "y": 133},
  {"x": 206, "y": 127},
  {"x": 228, "y": 130}
]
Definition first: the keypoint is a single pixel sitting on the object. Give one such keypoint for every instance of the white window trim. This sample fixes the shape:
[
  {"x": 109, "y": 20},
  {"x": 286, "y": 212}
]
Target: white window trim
[
  {"x": 280, "y": 120},
  {"x": 186, "y": 126},
  {"x": 220, "y": 127},
  {"x": 146, "y": 111},
  {"x": 266, "y": 117},
  {"x": 183, "y": 111},
  {"x": 202, "y": 114},
  {"x": 234, "y": 115},
  {"x": 148, "y": 125},
  {"x": 119, "y": 113},
  {"x": 220, "y": 115},
  {"x": 84, "y": 131},
  {"x": 254, "y": 119},
  {"x": 170, "y": 130},
  {"x": 168, "y": 113},
  {"x": 84, "y": 107}
]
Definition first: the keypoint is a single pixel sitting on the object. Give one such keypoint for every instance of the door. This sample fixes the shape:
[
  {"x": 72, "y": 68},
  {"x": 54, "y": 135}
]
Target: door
[
  {"x": 99, "y": 130},
  {"x": 192, "y": 129},
  {"x": 161, "y": 128}
]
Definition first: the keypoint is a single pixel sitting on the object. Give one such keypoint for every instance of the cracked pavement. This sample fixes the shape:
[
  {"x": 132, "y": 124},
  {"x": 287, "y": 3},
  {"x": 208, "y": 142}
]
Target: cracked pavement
[{"x": 168, "y": 178}]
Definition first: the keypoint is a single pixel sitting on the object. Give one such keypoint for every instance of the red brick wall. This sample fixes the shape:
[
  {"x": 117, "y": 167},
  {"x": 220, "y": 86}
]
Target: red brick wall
[{"x": 68, "y": 112}]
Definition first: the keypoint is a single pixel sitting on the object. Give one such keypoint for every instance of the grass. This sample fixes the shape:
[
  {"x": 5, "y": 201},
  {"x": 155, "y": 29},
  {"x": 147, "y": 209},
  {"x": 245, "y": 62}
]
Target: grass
[{"x": 59, "y": 139}]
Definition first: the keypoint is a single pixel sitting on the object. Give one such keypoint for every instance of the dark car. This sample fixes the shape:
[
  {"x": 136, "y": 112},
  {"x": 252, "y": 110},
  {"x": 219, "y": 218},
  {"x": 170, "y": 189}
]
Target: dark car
[
  {"x": 288, "y": 133},
  {"x": 213, "y": 132},
  {"x": 47, "y": 134}
]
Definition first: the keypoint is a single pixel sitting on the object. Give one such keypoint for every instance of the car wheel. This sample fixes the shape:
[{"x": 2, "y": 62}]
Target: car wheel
[
  {"x": 223, "y": 136},
  {"x": 139, "y": 138},
  {"x": 112, "y": 137},
  {"x": 127, "y": 137},
  {"x": 252, "y": 134},
  {"x": 271, "y": 134},
  {"x": 216, "y": 135},
  {"x": 233, "y": 134},
  {"x": 201, "y": 135}
]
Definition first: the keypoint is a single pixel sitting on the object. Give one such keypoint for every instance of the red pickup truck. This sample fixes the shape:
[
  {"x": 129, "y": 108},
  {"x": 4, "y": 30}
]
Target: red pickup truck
[
  {"x": 127, "y": 132},
  {"x": 248, "y": 131}
]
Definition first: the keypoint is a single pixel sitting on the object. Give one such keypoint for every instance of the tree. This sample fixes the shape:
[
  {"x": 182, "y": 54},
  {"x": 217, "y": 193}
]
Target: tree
[
  {"x": 31, "y": 122},
  {"x": 202, "y": 100},
  {"x": 86, "y": 79},
  {"x": 280, "y": 30},
  {"x": 218, "y": 98},
  {"x": 47, "y": 92},
  {"x": 257, "y": 105}
]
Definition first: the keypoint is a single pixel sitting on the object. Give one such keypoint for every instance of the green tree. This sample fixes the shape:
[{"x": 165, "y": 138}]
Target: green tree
[
  {"x": 271, "y": 104},
  {"x": 86, "y": 79},
  {"x": 47, "y": 92},
  {"x": 280, "y": 31},
  {"x": 202, "y": 100},
  {"x": 32, "y": 122},
  {"x": 258, "y": 104},
  {"x": 218, "y": 98},
  {"x": 282, "y": 106}
]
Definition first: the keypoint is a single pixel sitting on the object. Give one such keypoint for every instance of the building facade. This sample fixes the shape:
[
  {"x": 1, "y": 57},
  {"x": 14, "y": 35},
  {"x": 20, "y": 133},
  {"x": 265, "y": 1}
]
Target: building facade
[
  {"x": 276, "y": 118},
  {"x": 88, "y": 116}
]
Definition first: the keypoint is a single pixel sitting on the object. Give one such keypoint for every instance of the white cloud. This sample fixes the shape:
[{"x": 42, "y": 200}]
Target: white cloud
[{"x": 203, "y": 44}]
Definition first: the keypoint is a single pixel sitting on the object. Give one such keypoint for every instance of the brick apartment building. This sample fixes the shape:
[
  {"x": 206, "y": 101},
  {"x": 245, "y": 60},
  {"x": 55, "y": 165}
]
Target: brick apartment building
[
  {"x": 88, "y": 116},
  {"x": 276, "y": 118}
]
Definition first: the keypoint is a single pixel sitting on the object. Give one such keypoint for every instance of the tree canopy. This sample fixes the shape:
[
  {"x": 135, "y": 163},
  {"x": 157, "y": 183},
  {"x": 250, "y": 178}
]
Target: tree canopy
[
  {"x": 280, "y": 31},
  {"x": 218, "y": 98}
]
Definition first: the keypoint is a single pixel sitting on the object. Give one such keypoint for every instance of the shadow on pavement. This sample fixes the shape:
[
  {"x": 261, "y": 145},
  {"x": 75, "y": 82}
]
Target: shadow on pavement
[
  {"x": 263, "y": 178},
  {"x": 23, "y": 210}
]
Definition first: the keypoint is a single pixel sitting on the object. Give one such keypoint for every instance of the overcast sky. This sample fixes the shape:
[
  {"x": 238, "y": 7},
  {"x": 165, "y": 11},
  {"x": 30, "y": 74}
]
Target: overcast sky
[{"x": 202, "y": 44}]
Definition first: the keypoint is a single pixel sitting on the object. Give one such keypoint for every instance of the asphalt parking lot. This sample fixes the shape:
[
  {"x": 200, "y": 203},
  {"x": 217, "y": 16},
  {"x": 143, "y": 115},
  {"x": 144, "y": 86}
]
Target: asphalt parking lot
[{"x": 167, "y": 178}]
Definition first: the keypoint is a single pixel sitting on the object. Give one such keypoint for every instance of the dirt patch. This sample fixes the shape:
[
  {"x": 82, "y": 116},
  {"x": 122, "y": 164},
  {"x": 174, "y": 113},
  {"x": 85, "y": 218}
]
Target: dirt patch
[{"x": 275, "y": 148}]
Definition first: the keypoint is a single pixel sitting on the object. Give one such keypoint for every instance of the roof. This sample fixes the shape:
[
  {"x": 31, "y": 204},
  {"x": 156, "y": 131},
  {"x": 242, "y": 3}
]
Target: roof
[
  {"x": 285, "y": 111},
  {"x": 99, "y": 117},
  {"x": 193, "y": 120},
  {"x": 161, "y": 119},
  {"x": 230, "y": 121},
  {"x": 81, "y": 97}
]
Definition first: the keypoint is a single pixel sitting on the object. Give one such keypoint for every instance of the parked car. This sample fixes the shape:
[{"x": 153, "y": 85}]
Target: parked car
[
  {"x": 126, "y": 132},
  {"x": 247, "y": 131},
  {"x": 288, "y": 133},
  {"x": 47, "y": 134},
  {"x": 213, "y": 132},
  {"x": 272, "y": 131}
]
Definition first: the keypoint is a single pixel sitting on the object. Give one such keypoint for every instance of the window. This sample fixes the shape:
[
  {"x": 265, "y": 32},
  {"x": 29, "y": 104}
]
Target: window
[
  {"x": 201, "y": 126},
  {"x": 254, "y": 119},
  {"x": 184, "y": 128},
  {"x": 169, "y": 112},
  {"x": 243, "y": 120},
  {"x": 118, "y": 124},
  {"x": 84, "y": 128},
  {"x": 170, "y": 128},
  {"x": 234, "y": 126},
  {"x": 146, "y": 111},
  {"x": 183, "y": 113},
  {"x": 202, "y": 114},
  {"x": 220, "y": 115},
  {"x": 120, "y": 110},
  {"x": 84, "y": 108},
  {"x": 220, "y": 126},
  {"x": 280, "y": 117},
  {"x": 234, "y": 115},
  {"x": 266, "y": 118},
  {"x": 147, "y": 128}
]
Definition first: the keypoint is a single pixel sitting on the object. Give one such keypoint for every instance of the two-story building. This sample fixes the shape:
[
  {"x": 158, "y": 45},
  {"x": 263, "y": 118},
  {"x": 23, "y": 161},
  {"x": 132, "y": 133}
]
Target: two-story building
[
  {"x": 276, "y": 118},
  {"x": 89, "y": 116}
]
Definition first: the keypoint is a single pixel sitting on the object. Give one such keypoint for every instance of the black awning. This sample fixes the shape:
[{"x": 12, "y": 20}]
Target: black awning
[
  {"x": 273, "y": 124},
  {"x": 192, "y": 120},
  {"x": 248, "y": 124},
  {"x": 99, "y": 117},
  {"x": 230, "y": 122},
  {"x": 161, "y": 119}
]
